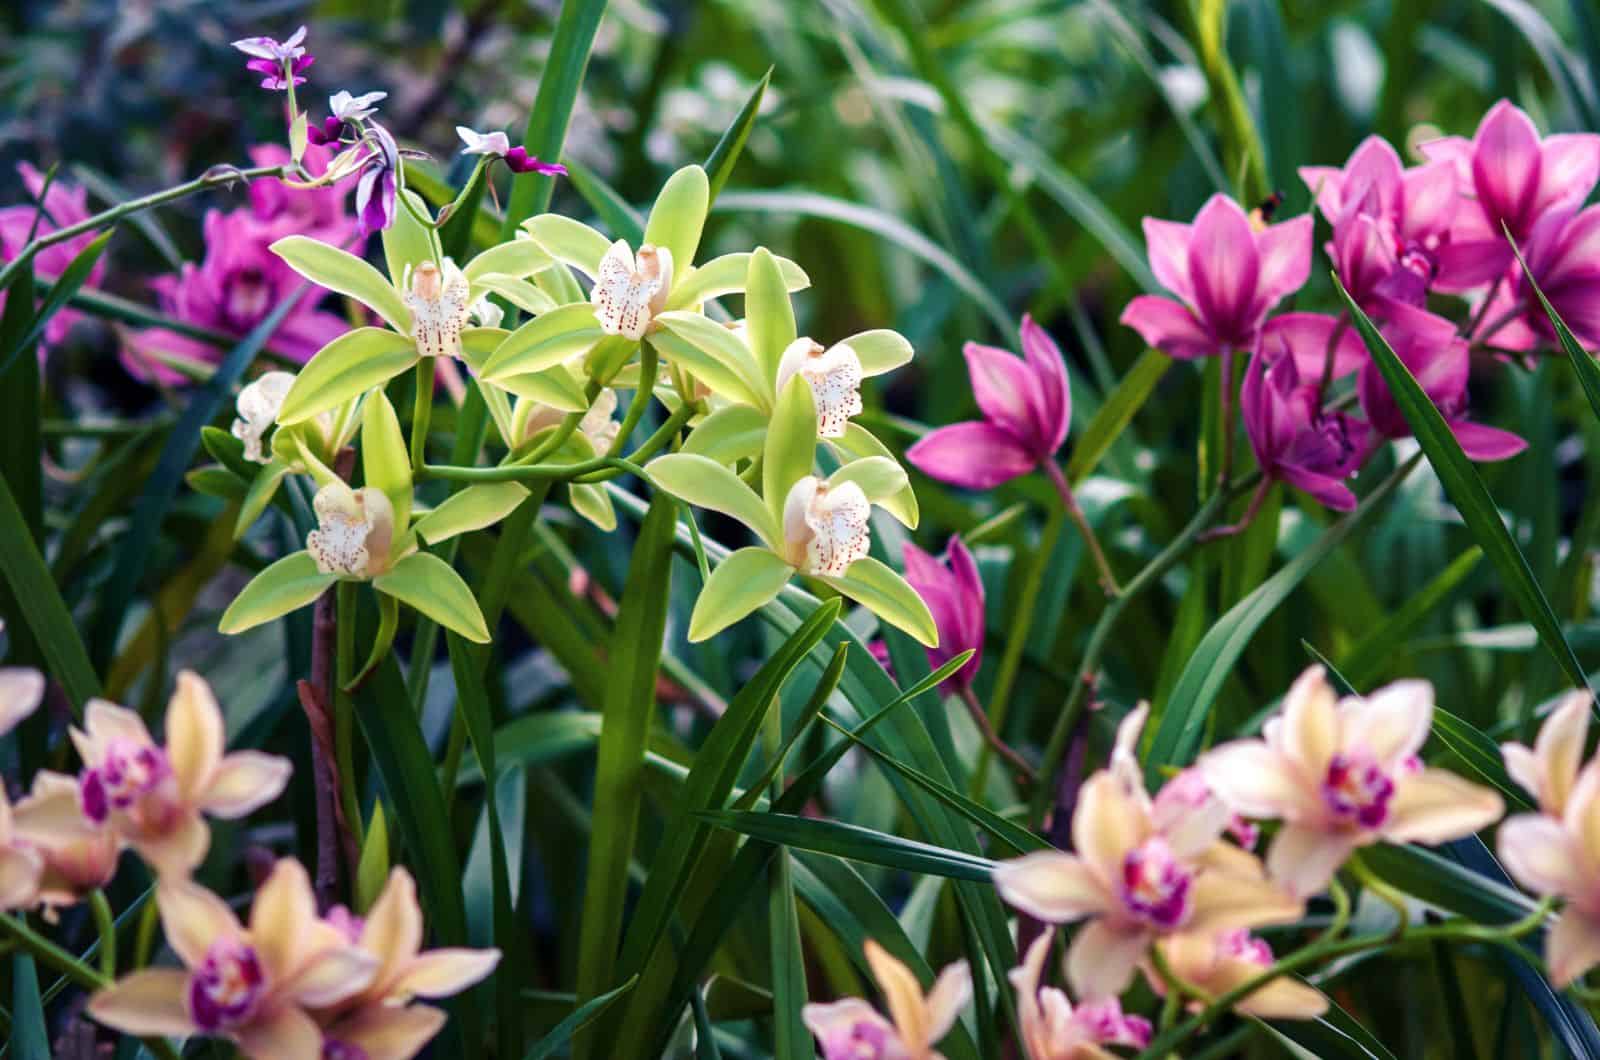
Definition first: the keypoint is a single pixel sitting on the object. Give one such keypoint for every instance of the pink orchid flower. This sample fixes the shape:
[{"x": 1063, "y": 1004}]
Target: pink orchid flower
[
  {"x": 851, "y": 1029},
  {"x": 1027, "y": 407},
  {"x": 1563, "y": 253},
  {"x": 1137, "y": 876},
  {"x": 65, "y": 205},
  {"x": 77, "y": 855},
  {"x": 378, "y": 1022},
  {"x": 21, "y": 863},
  {"x": 1508, "y": 176},
  {"x": 321, "y": 213},
  {"x": 251, "y": 985},
  {"x": 235, "y": 287},
  {"x": 953, "y": 592},
  {"x": 1225, "y": 274},
  {"x": 1296, "y": 440},
  {"x": 1343, "y": 774},
  {"x": 1055, "y": 1029},
  {"x": 1216, "y": 964},
  {"x": 1441, "y": 361},
  {"x": 154, "y": 796},
  {"x": 1388, "y": 221},
  {"x": 1556, "y": 852}
]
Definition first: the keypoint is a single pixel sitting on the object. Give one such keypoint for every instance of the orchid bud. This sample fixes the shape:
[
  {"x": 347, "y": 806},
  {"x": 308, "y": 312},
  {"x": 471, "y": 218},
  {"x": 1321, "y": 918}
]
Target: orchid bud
[{"x": 258, "y": 407}]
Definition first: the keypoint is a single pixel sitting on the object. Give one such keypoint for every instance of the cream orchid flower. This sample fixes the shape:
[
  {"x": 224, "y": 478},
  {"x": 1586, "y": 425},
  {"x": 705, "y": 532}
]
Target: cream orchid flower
[
  {"x": 440, "y": 301},
  {"x": 629, "y": 290},
  {"x": 251, "y": 985},
  {"x": 1137, "y": 877},
  {"x": 21, "y": 863},
  {"x": 1054, "y": 1029},
  {"x": 155, "y": 797},
  {"x": 258, "y": 406},
  {"x": 825, "y": 527},
  {"x": 834, "y": 374},
  {"x": 850, "y": 1029},
  {"x": 21, "y": 691},
  {"x": 355, "y": 529},
  {"x": 1557, "y": 852},
  {"x": 1343, "y": 774},
  {"x": 77, "y": 855},
  {"x": 378, "y": 1023},
  {"x": 1217, "y": 963}
]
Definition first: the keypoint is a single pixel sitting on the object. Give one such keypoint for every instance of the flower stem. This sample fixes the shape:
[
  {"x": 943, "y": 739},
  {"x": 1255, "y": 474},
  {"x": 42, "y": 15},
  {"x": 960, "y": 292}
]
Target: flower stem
[
  {"x": 106, "y": 925},
  {"x": 422, "y": 413},
  {"x": 981, "y": 718},
  {"x": 1226, "y": 470},
  {"x": 1069, "y": 501},
  {"x": 600, "y": 469},
  {"x": 1262, "y": 489},
  {"x": 1483, "y": 309},
  {"x": 344, "y": 722},
  {"x": 1394, "y": 899}
]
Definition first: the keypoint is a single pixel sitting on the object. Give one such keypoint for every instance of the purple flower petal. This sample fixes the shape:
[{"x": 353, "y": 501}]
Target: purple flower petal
[
  {"x": 1169, "y": 326},
  {"x": 973, "y": 455}
]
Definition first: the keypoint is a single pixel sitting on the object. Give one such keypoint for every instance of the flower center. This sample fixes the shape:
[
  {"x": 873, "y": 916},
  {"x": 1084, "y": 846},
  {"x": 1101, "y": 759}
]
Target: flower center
[
  {"x": 128, "y": 772},
  {"x": 1356, "y": 789},
  {"x": 248, "y": 298},
  {"x": 224, "y": 990},
  {"x": 1155, "y": 885}
]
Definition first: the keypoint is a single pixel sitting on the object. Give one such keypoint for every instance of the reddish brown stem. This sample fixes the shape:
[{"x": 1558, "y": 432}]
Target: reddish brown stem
[{"x": 980, "y": 717}]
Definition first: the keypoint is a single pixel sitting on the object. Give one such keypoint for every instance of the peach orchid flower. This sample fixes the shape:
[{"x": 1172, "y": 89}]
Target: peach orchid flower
[
  {"x": 1556, "y": 852},
  {"x": 1343, "y": 774},
  {"x": 851, "y": 1029},
  {"x": 78, "y": 856},
  {"x": 1054, "y": 1029},
  {"x": 251, "y": 985},
  {"x": 1142, "y": 869},
  {"x": 154, "y": 796},
  {"x": 21, "y": 691},
  {"x": 1216, "y": 964},
  {"x": 378, "y": 1023}
]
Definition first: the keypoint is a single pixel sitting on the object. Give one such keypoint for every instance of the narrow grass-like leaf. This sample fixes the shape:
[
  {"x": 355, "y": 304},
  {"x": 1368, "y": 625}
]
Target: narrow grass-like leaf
[
  {"x": 1468, "y": 493},
  {"x": 854, "y": 842},
  {"x": 30, "y": 1040},
  {"x": 1332, "y": 1036},
  {"x": 581, "y": 1017},
  {"x": 61, "y": 291},
  {"x": 1121, "y": 405},
  {"x": 719, "y": 164},
  {"x": 791, "y": 1040},
  {"x": 1366, "y": 658}
]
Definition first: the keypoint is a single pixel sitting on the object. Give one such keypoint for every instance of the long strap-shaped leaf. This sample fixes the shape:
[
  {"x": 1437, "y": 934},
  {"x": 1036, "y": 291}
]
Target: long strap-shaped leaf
[
  {"x": 1467, "y": 492},
  {"x": 635, "y": 652}
]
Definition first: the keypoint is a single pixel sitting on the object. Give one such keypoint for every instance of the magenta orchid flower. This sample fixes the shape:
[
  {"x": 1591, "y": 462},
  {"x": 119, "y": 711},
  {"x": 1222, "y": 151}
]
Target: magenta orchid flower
[
  {"x": 1441, "y": 362},
  {"x": 64, "y": 205},
  {"x": 1027, "y": 407},
  {"x": 851, "y": 1029},
  {"x": 1137, "y": 876},
  {"x": 1563, "y": 253},
  {"x": 1514, "y": 178},
  {"x": 1216, "y": 964},
  {"x": 1343, "y": 774},
  {"x": 953, "y": 592},
  {"x": 1297, "y": 441},
  {"x": 377, "y": 189},
  {"x": 1388, "y": 221},
  {"x": 1053, "y": 1028},
  {"x": 1224, "y": 274},
  {"x": 280, "y": 63},
  {"x": 321, "y": 213}
]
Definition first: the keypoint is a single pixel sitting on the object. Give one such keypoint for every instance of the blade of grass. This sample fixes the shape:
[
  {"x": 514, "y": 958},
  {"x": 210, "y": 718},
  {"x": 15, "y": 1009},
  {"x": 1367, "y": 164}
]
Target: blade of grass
[
  {"x": 725, "y": 155},
  {"x": 45, "y": 614},
  {"x": 854, "y": 843}
]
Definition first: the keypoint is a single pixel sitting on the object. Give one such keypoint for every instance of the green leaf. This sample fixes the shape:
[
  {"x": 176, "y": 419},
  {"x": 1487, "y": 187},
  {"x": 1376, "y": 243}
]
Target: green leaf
[
  {"x": 857, "y": 443},
  {"x": 791, "y": 1040},
  {"x": 722, "y": 347},
  {"x": 215, "y": 480},
  {"x": 769, "y": 315},
  {"x": 879, "y": 350},
  {"x": 545, "y": 341},
  {"x": 724, "y": 380},
  {"x": 705, "y": 483},
  {"x": 887, "y": 595},
  {"x": 679, "y": 215},
  {"x": 1180, "y": 725},
  {"x": 45, "y": 615},
  {"x": 372, "y": 869},
  {"x": 1334, "y": 1036},
  {"x": 72, "y": 278},
  {"x": 350, "y": 365},
  {"x": 260, "y": 494},
  {"x": 406, "y": 243},
  {"x": 791, "y": 446},
  {"x": 581, "y": 1017},
  {"x": 853, "y": 843},
  {"x": 728, "y": 435},
  {"x": 570, "y": 242},
  {"x": 1367, "y": 657},
  {"x": 739, "y": 585},
  {"x": 288, "y": 585},
  {"x": 520, "y": 293},
  {"x": 518, "y": 257},
  {"x": 344, "y": 273},
  {"x": 477, "y": 506},
  {"x": 1468, "y": 493},
  {"x": 1479, "y": 754},
  {"x": 556, "y": 387},
  {"x": 634, "y": 655},
  {"x": 726, "y": 275},
  {"x": 431, "y": 586},
  {"x": 594, "y": 504},
  {"x": 30, "y": 1039},
  {"x": 880, "y": 477},
  {"x": 384, "y": 459},
  {"x": 723, "y": 157},
  {"x": 1121, "y": 405}
]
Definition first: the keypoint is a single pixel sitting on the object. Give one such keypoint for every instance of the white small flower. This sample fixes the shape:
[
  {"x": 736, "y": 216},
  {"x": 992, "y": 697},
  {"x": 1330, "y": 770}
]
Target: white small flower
[
  {"x": 258, "y": 407},
  {"x": 599, "y": 424},
  {"x": 354, "y": 531},
  {"x": 486, "y": 314},
  {"x": 277, "y": 51},
  {"x": 346, "y": 107},
  {"x": 825, "y": 527},
  {"x": 438, "y": 303},
  {"x": 495, "y": 143},
  {"x": 834, "y": 376},
  {"x": 629, "y": 291}
]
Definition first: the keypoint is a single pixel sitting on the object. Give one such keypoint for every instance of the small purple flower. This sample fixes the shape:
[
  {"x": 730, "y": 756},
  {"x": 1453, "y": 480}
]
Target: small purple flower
[
  {"x": 1027, "y": 408},
  {"x": 377, "y": 190},
  {"x": 1155, "y": 885},
  {"x": 225, "y": 989},
  {"x": 329, "y": 131},
  {"x": 519, "y": 161},
  {"x": 498, "y": 145},
  {"x": 1441, "y": 362},
  {"x": 1563, "y": 253},
  {"x": 279, "y": 62},
  {"x": 1356, "y": 788},
  {"x": 954, "y": 594}
]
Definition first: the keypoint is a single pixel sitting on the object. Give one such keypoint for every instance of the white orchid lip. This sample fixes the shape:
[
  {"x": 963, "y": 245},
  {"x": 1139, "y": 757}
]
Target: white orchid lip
[
  {"x": 350, "y": 108},
  {"x": 258, "y": 406},
  {"x": 834, "y": 375},
  {"x": 438, "y": 300},
  {"x": 825, "y": 527},
  {"x": 494, "y": 143},
  {"x": 629, "y": 290},
  {"x": 354, "y": 531}
]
